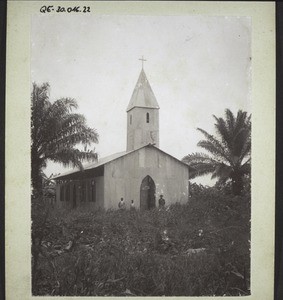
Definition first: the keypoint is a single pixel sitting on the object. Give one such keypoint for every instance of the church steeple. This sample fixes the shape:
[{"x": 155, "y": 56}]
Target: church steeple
[
  {"x": 143, "y": 115},
  {"x": 143, "y": 95}
]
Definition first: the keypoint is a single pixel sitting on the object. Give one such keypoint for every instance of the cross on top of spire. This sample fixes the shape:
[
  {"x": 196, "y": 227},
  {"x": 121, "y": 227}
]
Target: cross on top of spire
[{"x": 142, "y": 60}]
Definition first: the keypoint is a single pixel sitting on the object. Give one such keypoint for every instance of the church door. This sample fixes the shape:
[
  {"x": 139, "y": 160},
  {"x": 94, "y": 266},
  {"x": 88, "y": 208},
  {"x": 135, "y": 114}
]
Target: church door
[
  {"x": 147, "y": 193},
  {"x": 74, "y": 196}
]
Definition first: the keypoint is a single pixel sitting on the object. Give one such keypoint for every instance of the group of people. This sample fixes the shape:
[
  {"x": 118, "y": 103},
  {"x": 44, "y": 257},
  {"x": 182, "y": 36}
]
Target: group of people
[{"x": 122, "y": 204}]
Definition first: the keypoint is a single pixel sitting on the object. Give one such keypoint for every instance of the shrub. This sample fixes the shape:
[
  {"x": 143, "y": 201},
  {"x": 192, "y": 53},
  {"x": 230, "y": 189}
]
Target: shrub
[{"x": 201, "y": 248}]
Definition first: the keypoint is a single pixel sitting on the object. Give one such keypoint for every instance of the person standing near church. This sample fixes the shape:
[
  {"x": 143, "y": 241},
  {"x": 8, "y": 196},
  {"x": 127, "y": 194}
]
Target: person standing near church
[
  {"x": 122, "y": 204},
  {"x": 132, "y": 207},
  {"x": 161, "y": 202}
]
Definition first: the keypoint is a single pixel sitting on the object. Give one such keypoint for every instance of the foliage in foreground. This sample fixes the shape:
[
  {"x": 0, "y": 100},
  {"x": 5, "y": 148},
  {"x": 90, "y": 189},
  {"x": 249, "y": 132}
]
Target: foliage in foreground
[
  {"x": 197, "y": 249},
  {"x": 229, "y": 151},
  {"x": 55, "y": 133}
]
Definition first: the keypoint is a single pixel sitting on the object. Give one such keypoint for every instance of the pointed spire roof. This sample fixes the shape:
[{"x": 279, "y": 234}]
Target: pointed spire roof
[{"x": 142, "y": 95}]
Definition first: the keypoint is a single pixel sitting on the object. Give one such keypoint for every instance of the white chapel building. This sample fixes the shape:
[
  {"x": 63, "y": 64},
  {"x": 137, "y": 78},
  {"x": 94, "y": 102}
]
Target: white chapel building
[{"x": 141, "y": 173}]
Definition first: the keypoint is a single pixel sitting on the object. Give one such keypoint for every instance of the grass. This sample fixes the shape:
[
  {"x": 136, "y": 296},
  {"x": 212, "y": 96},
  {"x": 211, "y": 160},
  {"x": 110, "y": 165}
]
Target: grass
[{"x": 202, "y": 248}]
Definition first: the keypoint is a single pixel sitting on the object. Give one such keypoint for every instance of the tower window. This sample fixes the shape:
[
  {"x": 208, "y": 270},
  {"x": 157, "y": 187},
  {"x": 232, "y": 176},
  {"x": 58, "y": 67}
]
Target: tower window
[
  {"x": 147, "y": 117},
  {"x": 130, "y": 119}
]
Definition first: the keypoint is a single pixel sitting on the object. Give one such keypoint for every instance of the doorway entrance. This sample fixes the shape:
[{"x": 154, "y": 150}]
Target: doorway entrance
[{"x": 147, "y": 194}]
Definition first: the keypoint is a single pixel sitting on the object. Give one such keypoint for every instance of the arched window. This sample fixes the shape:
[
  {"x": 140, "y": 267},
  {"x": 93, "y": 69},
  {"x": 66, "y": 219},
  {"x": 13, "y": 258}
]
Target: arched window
[
  {"x": 147, "y": 117},
  {"x": 131, "y": 119}
]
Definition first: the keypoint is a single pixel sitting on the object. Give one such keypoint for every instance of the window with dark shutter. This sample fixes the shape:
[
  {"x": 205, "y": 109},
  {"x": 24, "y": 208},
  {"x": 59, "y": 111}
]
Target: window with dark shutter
[
  {"x": 93, "y": 191},
  {"x": 62, "y": 190},
  {"x": 83, "y": 193},
  {"x": 67, "y": 195}
]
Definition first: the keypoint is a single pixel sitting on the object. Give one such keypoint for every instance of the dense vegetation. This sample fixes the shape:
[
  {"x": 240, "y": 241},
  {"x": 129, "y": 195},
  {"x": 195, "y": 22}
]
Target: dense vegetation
[{"x": 201, "y": 248}]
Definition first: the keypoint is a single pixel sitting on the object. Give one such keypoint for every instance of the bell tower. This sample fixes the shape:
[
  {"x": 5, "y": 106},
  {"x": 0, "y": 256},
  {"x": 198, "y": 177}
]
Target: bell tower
[{"x": 142, "y": 115}]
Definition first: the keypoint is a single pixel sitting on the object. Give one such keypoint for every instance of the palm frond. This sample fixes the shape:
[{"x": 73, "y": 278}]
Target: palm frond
[
  {"x": 230, "y": 120},
  {"x": 202, "y": 164},
  {"x": 223, "y": 132},
  {"x": 222, "y": 171},
  {"x": 71, "y": 157},
  {"x": 56, "y": 132},
  {"x": 214, "y": 146},
  {"x": 246, "y": 168},
  {"x": 228, "y": 149},
  {"x": 218, "y": 153}
]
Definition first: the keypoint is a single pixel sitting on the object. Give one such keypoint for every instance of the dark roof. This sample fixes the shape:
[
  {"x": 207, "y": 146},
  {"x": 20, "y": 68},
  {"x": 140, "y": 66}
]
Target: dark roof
[
  {"x": 143, "y": 95},
  {"x": 103, "y": 161}
]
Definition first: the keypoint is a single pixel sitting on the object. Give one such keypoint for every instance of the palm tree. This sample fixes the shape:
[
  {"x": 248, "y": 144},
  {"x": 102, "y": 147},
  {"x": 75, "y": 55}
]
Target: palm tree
[
  {"x": 56, "y": 132},
  {"x": 229, "y": 151}
]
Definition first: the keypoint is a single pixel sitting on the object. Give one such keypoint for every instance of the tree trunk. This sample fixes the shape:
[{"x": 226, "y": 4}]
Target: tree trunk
[
  {"x": 237, "y": 184},
  {"x": 36, "y": 179}
]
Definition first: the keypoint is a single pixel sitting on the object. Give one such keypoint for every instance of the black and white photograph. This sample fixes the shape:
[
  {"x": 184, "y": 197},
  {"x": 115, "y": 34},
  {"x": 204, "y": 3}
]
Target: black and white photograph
[
  {"x": 138, "y": 139},
  {"x": 141, "y": 155}
]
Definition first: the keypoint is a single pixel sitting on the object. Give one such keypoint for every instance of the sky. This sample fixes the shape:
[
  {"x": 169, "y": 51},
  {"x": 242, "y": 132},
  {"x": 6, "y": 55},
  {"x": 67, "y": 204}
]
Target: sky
[{"x": 197, "y": 67}]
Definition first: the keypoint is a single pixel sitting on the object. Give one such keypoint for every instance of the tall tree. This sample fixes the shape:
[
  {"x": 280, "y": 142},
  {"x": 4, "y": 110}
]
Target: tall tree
[
  {"x": 229, "y": 152},
  {"x": 56, "y": 133}
]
